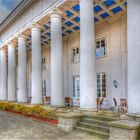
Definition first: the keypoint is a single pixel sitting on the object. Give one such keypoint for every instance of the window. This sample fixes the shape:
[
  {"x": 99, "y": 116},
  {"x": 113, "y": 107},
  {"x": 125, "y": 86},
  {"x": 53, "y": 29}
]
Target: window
[
  {"x": 0, "y": 40},
  {"x": 43, "y": 87},
  {"x": 75, "y": 55},
  {"x": 100, "y": 47},
  {"x": 101, "y": 85},
  {"x": 43, "y": 64},
  {"x": 76, "y": 86}
]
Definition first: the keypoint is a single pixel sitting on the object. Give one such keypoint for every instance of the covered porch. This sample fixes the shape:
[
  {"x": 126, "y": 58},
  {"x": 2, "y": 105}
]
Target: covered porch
[{"x": 103, "y": 11}]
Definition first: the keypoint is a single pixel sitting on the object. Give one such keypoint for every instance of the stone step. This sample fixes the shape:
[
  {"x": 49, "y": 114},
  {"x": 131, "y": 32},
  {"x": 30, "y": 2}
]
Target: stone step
[
  {"x": 97, "y": 124},
  {"x": 95, "y": 127},
  {"x": 94, "y": 121},
  {"x": 93, "y": 132},
  {"x": 103, "y": 118}
]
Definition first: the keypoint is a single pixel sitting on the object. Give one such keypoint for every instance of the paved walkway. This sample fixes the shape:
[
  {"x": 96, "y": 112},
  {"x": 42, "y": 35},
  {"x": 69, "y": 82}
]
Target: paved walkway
[{"x": 18, "y": 127}]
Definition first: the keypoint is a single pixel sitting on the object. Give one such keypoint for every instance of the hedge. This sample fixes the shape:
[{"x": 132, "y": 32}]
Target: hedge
[{"x": 35, "y": 110}]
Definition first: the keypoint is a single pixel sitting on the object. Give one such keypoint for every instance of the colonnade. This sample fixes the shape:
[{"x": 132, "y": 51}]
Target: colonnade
[{"x": 87, "y": 61}]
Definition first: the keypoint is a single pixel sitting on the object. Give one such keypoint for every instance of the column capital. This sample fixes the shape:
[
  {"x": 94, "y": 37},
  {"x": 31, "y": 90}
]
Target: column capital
[
  {"x": 35, "y": 26},
  {"x": 3, "y": 51},
  {"x": 55, "y": 13},
  {"x": 10, "y": 44},
  {"x": 20, "y": 36}
]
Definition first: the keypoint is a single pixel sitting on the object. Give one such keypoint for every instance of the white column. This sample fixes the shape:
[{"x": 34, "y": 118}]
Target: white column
[
  {"x": 133, "y": 46},
  {"x": 36, "y": 67},
  {"x": 3, "y": 76},
  {"x": 87, "y": 56},
  {"x": 57, "y": 94},
  {"x": 11, "y": 73},
  {"x": 22, "y": 62}
]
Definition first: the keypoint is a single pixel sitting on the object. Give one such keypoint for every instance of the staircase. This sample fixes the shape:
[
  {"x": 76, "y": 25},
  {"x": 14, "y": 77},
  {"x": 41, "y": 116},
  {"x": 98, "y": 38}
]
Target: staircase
[{"x": 97, "y": 125}]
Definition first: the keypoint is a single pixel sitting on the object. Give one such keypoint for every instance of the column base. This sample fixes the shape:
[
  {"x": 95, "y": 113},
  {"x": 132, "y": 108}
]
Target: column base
[
  {"x": 22, "y": 102},
  {"x": 3, "y": 100},
  {"x": 36, "y": 103},
  {"x": 88, "y": 112},
  {"x": 58, "y": 106},
  {"x": 11, "y": 100},
  {"x": 33, "y": 102}
]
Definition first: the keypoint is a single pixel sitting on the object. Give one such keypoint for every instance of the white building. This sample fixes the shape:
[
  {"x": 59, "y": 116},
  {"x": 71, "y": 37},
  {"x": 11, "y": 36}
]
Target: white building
[{"x": 67, "y": 48}]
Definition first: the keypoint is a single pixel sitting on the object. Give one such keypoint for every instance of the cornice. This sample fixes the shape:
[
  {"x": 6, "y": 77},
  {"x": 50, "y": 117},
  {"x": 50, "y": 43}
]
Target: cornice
[{"x": 20, "y": 8}]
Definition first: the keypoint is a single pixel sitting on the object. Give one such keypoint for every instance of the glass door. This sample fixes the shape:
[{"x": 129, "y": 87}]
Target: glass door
[{"x": 76, "y": 90}]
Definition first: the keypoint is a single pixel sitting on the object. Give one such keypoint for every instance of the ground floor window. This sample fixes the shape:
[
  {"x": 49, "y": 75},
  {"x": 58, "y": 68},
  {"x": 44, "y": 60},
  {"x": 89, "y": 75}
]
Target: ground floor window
[
  {"x": 43, "y": 87},
  {"x": 101, "y": 85},
  {"x": 76, "y": 90},
  {"x": 76, "y": 86}
]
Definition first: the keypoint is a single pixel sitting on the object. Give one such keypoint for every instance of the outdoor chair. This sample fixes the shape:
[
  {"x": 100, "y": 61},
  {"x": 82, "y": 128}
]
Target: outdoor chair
[
  {"x": 116, "y": 106},
  {"x": 29, "y": 99},
  {"x": 99, "y": 102},
  {"x": 76, "y": 101},
  {"x": 124, "y": 107},
  {"x": 68, "y": 101},
  {"x": 47, "y": 100}
]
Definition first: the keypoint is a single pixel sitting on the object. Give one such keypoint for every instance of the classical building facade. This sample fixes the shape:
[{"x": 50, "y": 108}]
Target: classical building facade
[{"x": 81, "y": 49}]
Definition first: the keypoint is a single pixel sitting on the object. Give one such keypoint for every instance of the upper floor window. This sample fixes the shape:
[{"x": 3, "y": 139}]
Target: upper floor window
[
  {"x": 101, "y": 85},
  {"x": 75, "y": 55},
  {"x": 100, "y": 47}
]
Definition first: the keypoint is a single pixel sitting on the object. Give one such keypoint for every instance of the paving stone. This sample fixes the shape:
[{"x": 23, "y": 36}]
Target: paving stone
[{"x": 18, "y": 127}]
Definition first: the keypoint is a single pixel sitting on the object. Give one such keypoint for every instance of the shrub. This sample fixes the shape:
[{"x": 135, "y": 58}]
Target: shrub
[{"x": 35, "y": 110}]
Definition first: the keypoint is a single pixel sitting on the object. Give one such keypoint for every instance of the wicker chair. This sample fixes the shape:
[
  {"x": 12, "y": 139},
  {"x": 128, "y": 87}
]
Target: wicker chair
[
  {"x": 47, "y": 100},
  {"x": 68, "y": 101},
  {"x": 116, "y": 106},
  {"x": 99, "y": 102},
  {"x": 124, "y": 107}
]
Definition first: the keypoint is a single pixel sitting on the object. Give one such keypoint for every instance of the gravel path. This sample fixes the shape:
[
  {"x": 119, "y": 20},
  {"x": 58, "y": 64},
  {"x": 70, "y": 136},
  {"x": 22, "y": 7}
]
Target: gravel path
[{"x": 18, "y": 127}]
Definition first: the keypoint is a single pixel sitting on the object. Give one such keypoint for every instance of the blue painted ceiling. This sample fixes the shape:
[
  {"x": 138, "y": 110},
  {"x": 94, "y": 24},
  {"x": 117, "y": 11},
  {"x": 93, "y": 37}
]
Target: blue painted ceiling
[{"x": 71, "y": 21}]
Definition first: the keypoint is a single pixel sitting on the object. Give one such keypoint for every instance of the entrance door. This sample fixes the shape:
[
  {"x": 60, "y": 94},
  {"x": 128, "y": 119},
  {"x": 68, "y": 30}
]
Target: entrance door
[
  {"x": 76, "y": 90},
  {"x": 101, "y": 85},
  {"x": 43, "y": 89}
]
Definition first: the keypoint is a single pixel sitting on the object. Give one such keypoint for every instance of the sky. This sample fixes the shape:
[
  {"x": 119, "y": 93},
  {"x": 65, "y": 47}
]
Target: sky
[{"x": 6, "y": 7}]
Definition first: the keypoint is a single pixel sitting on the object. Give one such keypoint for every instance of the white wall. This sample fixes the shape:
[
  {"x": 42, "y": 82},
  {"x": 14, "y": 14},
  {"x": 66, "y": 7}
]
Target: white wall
[
  {"x": 114, "y": 64},
  {"x": 29, "y": 15}
]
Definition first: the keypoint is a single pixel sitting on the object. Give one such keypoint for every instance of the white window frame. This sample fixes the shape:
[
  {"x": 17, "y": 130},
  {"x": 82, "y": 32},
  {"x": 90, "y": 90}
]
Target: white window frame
[
  {"x": 99, "y": 39},
  {"x": 101, "y": 88},
  {"x": 76, "y": 98},
  {"x": 75, "y": 76},
  {"x": 74, "y": 62}
]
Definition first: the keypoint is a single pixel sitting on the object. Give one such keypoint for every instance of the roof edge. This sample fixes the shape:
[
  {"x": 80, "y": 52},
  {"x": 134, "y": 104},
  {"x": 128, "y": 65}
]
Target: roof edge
[{"x": 18, "y": 10}]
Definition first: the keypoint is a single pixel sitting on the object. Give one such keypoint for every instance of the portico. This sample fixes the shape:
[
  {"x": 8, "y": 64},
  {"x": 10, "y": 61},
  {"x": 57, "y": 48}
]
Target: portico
[{"x": 48, "y": 46}]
